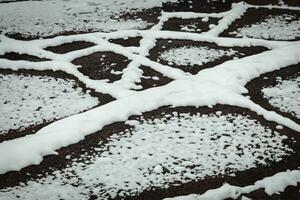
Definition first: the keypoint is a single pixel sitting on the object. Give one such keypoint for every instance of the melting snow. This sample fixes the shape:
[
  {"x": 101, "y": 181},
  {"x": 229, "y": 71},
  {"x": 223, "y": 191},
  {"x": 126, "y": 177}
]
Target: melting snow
[
  {"x": 283, "y": 27},
  {"x": 194, "y": 55},
  {"x": 29, "y": 100},
  {"x": 285, "y": 95}
]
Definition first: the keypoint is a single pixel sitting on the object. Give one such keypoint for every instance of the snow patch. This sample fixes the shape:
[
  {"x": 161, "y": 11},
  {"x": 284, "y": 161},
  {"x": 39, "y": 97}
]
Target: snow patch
[
  {"x": 29, "y": 100},
  {"x": 282, "y": 27},
  {"x": 45, "y": 18},
  {"x": 194, "y": 55},
  {"x": 285, "y": 95}
]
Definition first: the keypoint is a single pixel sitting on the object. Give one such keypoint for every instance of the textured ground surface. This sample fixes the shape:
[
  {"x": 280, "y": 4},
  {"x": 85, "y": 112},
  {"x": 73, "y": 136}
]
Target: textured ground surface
[{"x": 156, "y": 101}]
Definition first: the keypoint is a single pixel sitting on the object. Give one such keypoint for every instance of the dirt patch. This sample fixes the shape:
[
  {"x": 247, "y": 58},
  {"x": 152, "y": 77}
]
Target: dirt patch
[
  {"x": 127, "y": 42},
  {"x": 152, "y": 78},
  {"x": 214, "y": 6},
  {"x": 68, "y": 47},
  {"x": 102, "y": 65},
  {"x": 269, "y": 80},
  {"x": 12, "y": 134},
  {"x": 292, "y": 2},
  {"x": 87, "y": 146},
  {"x": 256, "y": 15},
  {"x": 192, "y": 25},
  {"x": 163, "y": 45},
  {"x": 17, "y": 56}
]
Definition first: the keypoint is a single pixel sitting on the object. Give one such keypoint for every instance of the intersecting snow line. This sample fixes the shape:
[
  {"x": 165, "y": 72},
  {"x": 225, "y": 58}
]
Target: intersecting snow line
[{"x": 223, "y": 84}]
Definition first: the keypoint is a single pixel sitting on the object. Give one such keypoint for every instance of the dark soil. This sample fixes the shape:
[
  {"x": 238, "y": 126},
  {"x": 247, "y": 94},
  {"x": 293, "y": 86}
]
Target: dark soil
[
  {"x": 99, "y": 65},
  {"x": 175, "y": 24},
  {"x": 255, "y": 15},
  {"x": 164, "y": 45},
  {"x": 203, "y": 6},
  {"x": 268, "y": 80},
  {"x": 127, "y": 42},
  {"x": 55, "y": 162},
  {"x": 68, "y": 47},
  {"x": 12, "y": 134},
  {"x": 147, "y": 81},
  {"x": 16, "y": 56},
  {"x": 292, "y": 2}
]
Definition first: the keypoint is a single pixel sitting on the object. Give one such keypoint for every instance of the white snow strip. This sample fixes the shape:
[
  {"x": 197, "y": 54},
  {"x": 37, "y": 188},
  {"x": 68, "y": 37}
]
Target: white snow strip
[
  {"x": 271, "y": 185},
  {"x": 236, "y": 12}
]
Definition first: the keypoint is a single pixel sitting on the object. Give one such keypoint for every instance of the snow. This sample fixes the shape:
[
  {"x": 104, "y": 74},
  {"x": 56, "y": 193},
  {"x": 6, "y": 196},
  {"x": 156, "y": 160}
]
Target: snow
[
  {"x": 222, "y": 84},
  {"x": 191, "y": 55},
  {"x": 282, "y": 27},
  {"x": 272, "y": 185},
  {"x": 29, "y": 100},
  {"x": 176, "y": 148},
  {"x": 285, "y": 95},
  {"x": 192, "y": 27},
  {"x": 46, "y": 18}
]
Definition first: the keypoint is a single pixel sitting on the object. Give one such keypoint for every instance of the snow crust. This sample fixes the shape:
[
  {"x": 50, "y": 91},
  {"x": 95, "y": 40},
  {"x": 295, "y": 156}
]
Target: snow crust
[
  {"x": 190, "y": 55},
  {"x": 29, "y": 100},
  {"x": 282, "y": 27},
  {"x": 285, "y": 95},
  {"x": 46, "y": 18},
  {"x": 176, "y": 148},
  {"x": 271, "y": 185}
]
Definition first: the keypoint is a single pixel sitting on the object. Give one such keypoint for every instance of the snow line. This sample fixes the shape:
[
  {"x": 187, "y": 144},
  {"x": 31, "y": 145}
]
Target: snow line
[
  {"x": 223, "y": 84},
  {"x": 271, "y": 185}
]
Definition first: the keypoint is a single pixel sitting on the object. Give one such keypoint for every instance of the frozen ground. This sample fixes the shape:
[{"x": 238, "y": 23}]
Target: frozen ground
[{"x": 156, "y": 152}]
